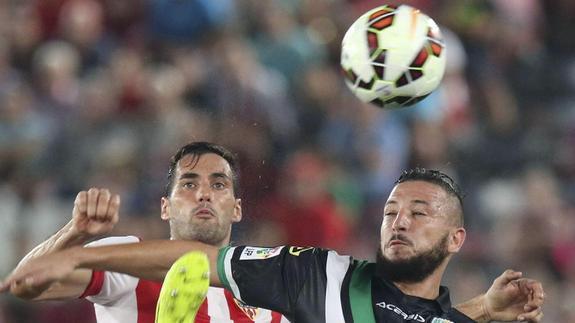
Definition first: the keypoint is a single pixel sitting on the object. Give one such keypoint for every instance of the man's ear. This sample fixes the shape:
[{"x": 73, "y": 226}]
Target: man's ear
[
  {"x": 165, "y": 208},
  {"x": 457, "y": 237},
  {"x": 237, "y": 217}
]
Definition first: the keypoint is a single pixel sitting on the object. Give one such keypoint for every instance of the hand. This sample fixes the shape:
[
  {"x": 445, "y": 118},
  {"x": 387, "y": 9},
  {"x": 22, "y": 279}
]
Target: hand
[
  {"x": 36, "y": 275},
  {"x": 513, "y": 298},
  {"x": 95, "y": 212}
]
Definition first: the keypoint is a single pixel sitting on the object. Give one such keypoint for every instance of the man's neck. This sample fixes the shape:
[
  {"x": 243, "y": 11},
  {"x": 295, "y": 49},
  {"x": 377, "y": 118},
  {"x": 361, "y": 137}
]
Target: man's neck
[{"x": 427, "y": 288}]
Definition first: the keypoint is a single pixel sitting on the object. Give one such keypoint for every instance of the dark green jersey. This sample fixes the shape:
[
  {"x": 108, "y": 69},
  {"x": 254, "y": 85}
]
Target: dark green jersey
[{"x": 314, "y": 285}]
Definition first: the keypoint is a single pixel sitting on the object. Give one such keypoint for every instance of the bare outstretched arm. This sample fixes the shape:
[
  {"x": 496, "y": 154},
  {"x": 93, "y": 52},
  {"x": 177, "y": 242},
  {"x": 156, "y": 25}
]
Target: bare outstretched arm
[
  {"x": 94, "y": 214},
  {"x": 148, "y": 259}
]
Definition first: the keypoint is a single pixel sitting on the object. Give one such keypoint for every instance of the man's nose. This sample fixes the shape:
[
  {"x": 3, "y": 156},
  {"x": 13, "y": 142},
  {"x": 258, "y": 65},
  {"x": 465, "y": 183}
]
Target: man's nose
[
  {"x": 204, "y": 193},
  {"x": 401, "y": 221}
]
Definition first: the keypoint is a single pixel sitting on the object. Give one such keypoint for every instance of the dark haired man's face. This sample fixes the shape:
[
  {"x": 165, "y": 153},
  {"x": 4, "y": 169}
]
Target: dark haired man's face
[
  {"x": 202, "y": 205},
  {"x": 417, "y": 229}
]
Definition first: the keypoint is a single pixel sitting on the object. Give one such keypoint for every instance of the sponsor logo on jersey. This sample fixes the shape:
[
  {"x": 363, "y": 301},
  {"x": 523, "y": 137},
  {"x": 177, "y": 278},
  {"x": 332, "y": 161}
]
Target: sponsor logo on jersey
[
  {"x": 407, "y": 317},
  {"x": 440, "y": 320},
  {"x": 250, "y": 311},
  {"x": 296, "y": 251},
  {"x": 254, "y": 253}
]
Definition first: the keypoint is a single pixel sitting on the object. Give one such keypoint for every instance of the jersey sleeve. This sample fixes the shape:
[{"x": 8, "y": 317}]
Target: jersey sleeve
[
  {"x": 285, "y": 279},
  {"x": 107, "y": 287}
]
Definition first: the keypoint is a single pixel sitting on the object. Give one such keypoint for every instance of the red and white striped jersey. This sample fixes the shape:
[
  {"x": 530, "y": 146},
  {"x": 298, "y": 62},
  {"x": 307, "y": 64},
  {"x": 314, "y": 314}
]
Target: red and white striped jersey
[{"x": 121, "y": 298}]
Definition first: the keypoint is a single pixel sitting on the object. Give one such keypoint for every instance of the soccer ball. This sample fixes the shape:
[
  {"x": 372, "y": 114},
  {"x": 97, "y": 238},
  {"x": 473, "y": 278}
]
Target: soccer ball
[{"x": 393, "y": 56}]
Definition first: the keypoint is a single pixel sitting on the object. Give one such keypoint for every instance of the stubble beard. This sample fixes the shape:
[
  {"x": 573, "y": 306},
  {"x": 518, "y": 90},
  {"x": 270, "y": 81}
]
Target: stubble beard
[
  {"x": 205, "y": 231},
  {"x": 414, "y": 269}
]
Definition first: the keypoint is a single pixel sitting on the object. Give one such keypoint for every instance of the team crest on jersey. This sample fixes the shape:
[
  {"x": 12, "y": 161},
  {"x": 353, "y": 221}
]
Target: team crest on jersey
[
  {"x": 440, "y": 320},
  {"x": 250, "y": 311},
  {"x": 296, "y": 251},
  {"x": 253, "y": 253}
]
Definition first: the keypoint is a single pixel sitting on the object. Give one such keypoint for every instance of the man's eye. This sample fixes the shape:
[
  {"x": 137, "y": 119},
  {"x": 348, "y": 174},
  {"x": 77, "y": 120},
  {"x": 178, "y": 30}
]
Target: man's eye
[
  {"x": 418, "y": 213},
  {"x": 189, "y": 185},
  {"x": 219, "y": 185},
  {"x": 389, "y": 214}
]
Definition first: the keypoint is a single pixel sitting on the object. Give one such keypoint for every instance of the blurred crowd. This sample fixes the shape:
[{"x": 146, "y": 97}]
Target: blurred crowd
[{"x": 100, "y": 93}]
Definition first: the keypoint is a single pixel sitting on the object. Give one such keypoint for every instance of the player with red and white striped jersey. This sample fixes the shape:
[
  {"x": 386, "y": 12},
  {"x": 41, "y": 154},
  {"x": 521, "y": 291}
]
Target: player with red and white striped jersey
[{"x": 200, "y": 204}]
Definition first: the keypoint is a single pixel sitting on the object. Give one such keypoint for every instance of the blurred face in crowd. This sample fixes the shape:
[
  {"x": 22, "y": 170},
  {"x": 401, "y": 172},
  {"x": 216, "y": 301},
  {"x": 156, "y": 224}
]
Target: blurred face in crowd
[
  {"x": 419, "y": 231},
  {"x": 202, "y": 205}
]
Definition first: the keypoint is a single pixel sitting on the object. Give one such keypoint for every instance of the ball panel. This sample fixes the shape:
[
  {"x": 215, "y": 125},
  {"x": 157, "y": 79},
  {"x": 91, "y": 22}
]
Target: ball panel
[
  {"x": 383, "y": 23},
  {"x": 380, "y": 11},
  {"x": 366, "y": 85},
  {"x": 372, "y": 42},
  {"x": 349, "y": 75},
  {"x": 436, "y": 49},
  {"x": 402, "y": 80},
  {"x": 420, "y": 58},
  {"x": 415, "y": 74}
]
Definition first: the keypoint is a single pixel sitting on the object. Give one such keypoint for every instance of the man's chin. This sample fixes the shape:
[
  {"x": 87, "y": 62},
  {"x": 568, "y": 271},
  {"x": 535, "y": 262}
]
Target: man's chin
[
  {"x": 201, "y": 219},
  {"x": 400, "y": 265},
  {"x": 398, "y": 260}
]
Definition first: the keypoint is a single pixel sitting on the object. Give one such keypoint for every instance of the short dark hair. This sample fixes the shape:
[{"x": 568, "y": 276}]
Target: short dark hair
[
  {"x": 435, "y": 177},
  {"x": 197, "y": 149}
]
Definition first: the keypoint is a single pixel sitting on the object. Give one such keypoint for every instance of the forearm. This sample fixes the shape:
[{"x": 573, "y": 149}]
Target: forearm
[
  {"x": 147, "y": 259},
  {"x": 474, "y": 309},
  {"x": 70, "y": 286},
  {"x": 63, "y": 239}
]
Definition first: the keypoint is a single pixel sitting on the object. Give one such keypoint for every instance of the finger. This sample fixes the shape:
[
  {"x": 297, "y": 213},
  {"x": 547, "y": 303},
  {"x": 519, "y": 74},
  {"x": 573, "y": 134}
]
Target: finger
[
  {"x": 23, "y": 290},
  {"x": 102, "y": 205},
  {"x": 80, "y": 204},
  {"x": 507, "y": 277},
  {"x": 25, "y": 284},
  {"x": 92, "y": 202},
  {"x": 22, "y": 286},
  {"x": 31, "y": 281},
  {"x": 7, "y": 283},
  {"x": 4, "y": 287},
  {"x": 17, "y": 289},
  {"x": 537, "y": 318},
  {"x": 11, "y": 284},
  {"x": 537, "y": 292},
  {"x": 532, "y": 316},
  {"x": 533, "y": 290},
  {"x": 114, "y": 208}
]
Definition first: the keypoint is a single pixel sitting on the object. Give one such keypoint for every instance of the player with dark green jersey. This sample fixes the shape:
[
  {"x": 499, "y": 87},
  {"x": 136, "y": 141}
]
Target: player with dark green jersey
[{"x": 318, "y": 285}]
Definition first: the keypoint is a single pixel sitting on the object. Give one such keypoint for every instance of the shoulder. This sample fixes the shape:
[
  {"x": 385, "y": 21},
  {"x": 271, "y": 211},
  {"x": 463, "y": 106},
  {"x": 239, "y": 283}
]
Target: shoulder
[{"x": 293, "y": 259}]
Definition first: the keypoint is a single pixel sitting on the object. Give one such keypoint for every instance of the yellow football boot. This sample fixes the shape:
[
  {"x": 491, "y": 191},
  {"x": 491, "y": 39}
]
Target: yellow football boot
[{"x": 184, "y": 289}]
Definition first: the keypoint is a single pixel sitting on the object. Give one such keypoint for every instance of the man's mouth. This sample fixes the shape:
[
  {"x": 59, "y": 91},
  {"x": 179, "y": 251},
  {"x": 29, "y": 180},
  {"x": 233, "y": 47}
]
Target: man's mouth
[
  {"x": 397, "y": 240},
  {"x": 204, "y": 213}
]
